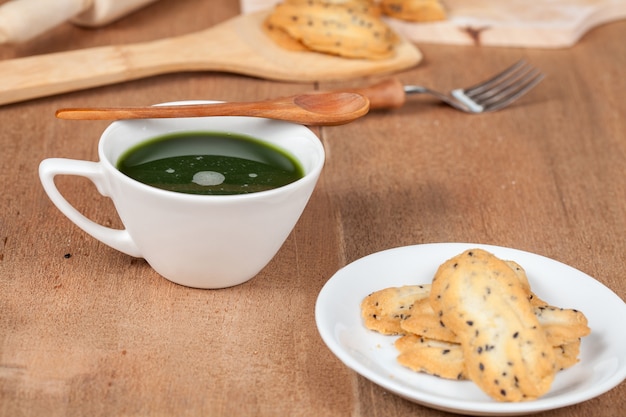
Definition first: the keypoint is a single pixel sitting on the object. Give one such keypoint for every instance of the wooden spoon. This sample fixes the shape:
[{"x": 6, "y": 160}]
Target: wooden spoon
[
  {"x": 312, "y": 109},
  {"x": 238, "y": 45}
]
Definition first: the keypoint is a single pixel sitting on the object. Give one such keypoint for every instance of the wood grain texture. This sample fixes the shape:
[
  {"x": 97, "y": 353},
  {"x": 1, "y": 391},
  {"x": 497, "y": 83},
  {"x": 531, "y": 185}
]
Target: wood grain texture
[
  {"x": 85, "y": 330},
  {"x": 237, "y": 45}
]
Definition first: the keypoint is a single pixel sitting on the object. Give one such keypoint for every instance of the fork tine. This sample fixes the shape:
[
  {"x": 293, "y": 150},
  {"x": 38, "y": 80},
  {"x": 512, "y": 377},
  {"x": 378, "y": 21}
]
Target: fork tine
[
  {"x": 503, "y": 85},
  {"x": 488, "y": 84},
  {"x": 514, "y": 92}
]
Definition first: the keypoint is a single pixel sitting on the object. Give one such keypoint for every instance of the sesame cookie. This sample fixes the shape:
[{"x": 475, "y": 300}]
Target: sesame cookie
[
  {"x": 480, "y": 298},
  {"x": 414, "y": 10},
  {"x": 446, "y": 360},
  {"x": 384, "y": 310},
  {"x": 336, "y": 29},
  {"x": 282, "y": 38},
  {"x": 424, "y": 322},
  {"x": 560, "y": 325},
  {"x": 431, "y": 356},
  {"x": 366, "y": 6}
]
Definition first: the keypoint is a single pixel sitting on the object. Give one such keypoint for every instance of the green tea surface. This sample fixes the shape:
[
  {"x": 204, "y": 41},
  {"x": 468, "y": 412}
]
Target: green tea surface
[{"x": 210, "y": 164}]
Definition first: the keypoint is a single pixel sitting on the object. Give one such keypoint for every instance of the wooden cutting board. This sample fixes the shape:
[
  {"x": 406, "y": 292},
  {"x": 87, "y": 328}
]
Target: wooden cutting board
[
  {"x": 238, "y": 45},
  {"x": 513, "y": 23},
  {"x": 517, "y": 23}
]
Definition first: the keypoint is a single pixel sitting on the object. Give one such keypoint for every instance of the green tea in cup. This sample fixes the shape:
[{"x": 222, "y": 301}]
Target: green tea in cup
[
  {"x": 210, "y": 163},
  {"x": 201, "y": 241}
]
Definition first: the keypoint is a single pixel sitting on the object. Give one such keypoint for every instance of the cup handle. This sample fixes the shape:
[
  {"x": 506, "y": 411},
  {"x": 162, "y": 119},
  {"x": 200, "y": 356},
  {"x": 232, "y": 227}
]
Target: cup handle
[{"x": 50, "y": 168}]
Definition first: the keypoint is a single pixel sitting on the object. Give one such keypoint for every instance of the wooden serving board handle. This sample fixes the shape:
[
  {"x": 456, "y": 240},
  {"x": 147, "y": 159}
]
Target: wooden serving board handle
[{"x": 238, "y": 46}]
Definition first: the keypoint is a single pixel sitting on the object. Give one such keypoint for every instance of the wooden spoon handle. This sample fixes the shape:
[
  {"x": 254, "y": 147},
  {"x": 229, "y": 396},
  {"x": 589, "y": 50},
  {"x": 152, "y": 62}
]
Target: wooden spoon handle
[{"x": 387, "y": 94}]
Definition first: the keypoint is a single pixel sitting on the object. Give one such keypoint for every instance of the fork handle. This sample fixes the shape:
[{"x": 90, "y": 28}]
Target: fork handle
[{"x": 388, "y": 94}]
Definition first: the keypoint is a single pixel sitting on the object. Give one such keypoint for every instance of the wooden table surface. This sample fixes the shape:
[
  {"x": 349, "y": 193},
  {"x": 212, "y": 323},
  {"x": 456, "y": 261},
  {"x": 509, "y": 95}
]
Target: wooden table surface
[{"x": 88, "y": 331}]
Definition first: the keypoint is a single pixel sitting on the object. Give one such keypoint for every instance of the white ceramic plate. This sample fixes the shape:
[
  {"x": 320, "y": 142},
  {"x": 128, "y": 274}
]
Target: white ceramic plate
[{"x": 602, "y": 363}]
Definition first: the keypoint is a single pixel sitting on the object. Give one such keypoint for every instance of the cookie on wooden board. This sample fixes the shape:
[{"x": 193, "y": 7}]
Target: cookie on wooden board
[
  {"x": 414, "y": 10},
  {"x": 336, "y": 29}
]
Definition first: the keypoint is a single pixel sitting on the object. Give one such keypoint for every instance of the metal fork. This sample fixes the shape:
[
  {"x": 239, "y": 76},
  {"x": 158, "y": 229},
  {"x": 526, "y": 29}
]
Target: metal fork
[{"x": 490, "y": 95}]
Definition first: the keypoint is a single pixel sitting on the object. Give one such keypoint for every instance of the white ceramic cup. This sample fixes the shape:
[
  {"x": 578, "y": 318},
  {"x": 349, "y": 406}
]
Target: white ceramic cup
[{"x": 201, "y": 241}]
